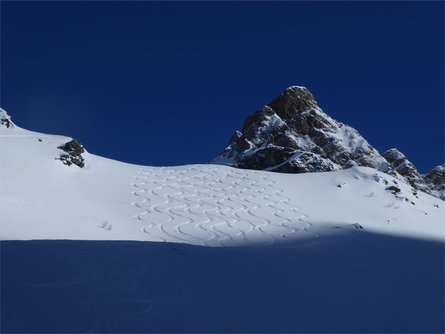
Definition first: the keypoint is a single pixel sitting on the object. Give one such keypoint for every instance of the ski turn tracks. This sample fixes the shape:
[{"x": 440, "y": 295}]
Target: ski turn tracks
[{"x": 214, "y": 206}]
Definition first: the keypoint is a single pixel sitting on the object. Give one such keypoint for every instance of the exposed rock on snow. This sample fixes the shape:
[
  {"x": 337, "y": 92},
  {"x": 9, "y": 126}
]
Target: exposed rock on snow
[
  {"x": 206, "y": 205},
  {"x": 349, "y": 237},
  {"x": 405, "y": 168},
  {"x": 292, "y": 134},
  {"x": 74, "y": 148},
  {"x": 5, "y": 119},
  {"x": 435, "y": 181},
  {"x": 394, "y": 190}
]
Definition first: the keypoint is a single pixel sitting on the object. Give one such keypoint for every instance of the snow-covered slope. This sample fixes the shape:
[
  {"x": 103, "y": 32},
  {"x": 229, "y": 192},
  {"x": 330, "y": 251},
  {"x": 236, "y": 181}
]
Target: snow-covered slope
[
  {"x": 44, "y": 197},
  {"x": 292, "y": 134},
  {"x": 356, "y": 283},
  {"x": 353, "y": 250}
]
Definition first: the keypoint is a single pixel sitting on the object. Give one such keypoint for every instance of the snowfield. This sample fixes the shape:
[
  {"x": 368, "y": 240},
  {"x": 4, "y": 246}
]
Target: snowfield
[
  {"x": 209, "y": 205},
  {"x": 354, "y": 250}
]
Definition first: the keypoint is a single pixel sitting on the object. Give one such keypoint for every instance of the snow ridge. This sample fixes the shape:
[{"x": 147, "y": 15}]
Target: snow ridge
[{"x": 209, "y": 205}]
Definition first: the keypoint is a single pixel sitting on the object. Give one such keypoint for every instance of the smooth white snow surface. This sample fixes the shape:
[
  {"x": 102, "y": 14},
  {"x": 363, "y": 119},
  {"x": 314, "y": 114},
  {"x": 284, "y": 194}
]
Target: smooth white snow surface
[{"x": 210, "y": 205}]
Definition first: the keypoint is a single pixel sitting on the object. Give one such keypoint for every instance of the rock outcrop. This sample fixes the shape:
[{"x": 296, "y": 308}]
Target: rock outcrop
[
  {"x": 292, "y": 134},
  {"x": 5, "y": 119},
  {"x": 406, "y": 169},
  {"x": 73, "y": 149},
  {"x": 435, "y": 181},
  {"x": 73, "y": 156}
]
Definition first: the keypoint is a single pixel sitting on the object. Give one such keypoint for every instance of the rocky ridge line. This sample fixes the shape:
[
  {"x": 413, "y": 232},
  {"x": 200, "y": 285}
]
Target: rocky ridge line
[
  {"x": 73, "y": 149},
  {"x": 292, "y": 134}
]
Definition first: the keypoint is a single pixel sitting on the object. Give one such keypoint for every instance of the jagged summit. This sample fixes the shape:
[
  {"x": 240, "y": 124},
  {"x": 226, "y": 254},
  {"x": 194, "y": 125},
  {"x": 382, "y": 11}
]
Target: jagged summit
[
  {"x": 292, "y": 134},
  {"x": 292, "y": 100}
]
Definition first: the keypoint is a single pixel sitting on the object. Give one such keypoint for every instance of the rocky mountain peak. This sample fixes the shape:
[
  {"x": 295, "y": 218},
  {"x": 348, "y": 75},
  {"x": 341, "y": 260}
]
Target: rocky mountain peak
[
  {"x": 291, "y": 101},
  {"x": 292, "y": 134}
]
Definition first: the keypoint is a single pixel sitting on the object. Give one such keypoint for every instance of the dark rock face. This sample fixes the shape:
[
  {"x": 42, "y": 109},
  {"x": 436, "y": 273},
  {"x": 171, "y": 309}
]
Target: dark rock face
[
  {"x": 405, "y": 168},
  {"x": 433, "y": 183},
  {"x": 291, "y": 134},
  {"x": 435, "y": 180},
  {"x": 74, "y": 150},
  {"x": 437, "y": 175},
  {"x": 306, "y": 162}
]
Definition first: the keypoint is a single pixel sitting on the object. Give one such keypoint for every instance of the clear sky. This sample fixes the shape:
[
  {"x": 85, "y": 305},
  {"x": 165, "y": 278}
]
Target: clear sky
[{"x": 168, "y": 83}]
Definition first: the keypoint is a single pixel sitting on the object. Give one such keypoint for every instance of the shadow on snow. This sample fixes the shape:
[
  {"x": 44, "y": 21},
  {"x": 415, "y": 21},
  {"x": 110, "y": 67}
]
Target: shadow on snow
[{"x": 352, "y": 283}]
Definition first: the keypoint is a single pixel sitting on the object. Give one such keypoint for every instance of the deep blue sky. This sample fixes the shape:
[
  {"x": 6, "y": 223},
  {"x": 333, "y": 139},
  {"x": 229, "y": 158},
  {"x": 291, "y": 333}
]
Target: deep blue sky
[{"x": 168, "y": 83}]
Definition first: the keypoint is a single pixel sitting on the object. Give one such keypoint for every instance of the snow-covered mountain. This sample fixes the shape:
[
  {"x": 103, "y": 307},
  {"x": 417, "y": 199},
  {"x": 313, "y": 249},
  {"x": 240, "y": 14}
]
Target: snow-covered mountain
[
  {"x": 291, "y": 134},
  {"x": 52, "y": 188},
  {"x": 350, "y": 250}
]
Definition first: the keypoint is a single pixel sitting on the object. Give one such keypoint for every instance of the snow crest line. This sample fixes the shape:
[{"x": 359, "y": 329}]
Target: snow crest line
[{"x": 214, "y": 206}]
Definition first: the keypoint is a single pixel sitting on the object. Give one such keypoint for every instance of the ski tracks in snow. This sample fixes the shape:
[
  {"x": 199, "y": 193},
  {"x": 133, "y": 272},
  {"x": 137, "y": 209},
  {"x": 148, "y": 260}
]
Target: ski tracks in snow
[{"x": 214, "y": 206}]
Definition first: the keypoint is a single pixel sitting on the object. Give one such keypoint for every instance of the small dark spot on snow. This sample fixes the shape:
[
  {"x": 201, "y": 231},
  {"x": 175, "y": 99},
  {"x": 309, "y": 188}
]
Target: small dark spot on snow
[
  {"x": 40, "y": 140},
  {"x": 105, "y": 226},
  {"x": 339, "y": 186},
  {"x": 394, "y": 190},
  {"x": 413, "y": 203},
  {"x": 436, "y": 205}
]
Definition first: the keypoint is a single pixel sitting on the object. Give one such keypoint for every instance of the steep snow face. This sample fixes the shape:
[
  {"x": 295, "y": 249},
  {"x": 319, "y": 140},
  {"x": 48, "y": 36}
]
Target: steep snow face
[
  {"x": 292, "y": 134},
  {"x": 210, "y": 205}
]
